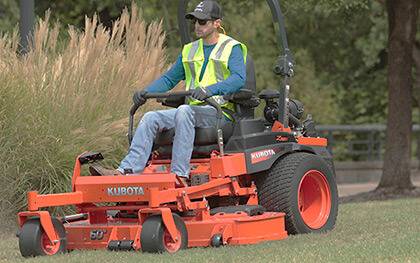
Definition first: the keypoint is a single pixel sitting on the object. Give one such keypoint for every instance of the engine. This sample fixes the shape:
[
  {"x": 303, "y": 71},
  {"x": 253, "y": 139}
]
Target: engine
[{"x": 295, "y": 114}]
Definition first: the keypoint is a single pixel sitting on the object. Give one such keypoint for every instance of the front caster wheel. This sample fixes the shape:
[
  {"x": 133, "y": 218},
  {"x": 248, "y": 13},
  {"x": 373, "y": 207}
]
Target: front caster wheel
[
  {"x": 33, "y": 241},
  {"x": 155, "y": 238}
]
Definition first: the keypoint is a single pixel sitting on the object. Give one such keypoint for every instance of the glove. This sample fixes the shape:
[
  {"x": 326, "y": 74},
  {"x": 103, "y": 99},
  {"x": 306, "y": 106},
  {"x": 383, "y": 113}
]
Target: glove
[
  {"x": 200, "y": 94},
  {"x": 139, "y": 97}
]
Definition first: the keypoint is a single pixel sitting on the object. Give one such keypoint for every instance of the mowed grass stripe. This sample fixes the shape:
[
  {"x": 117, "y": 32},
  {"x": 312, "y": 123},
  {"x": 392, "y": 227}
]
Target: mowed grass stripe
[{"x": 386, "y": 231}]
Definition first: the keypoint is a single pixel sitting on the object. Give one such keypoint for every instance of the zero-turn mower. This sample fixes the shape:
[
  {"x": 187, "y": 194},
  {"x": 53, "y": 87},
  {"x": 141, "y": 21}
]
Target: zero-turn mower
[{"x": 252, "y": 180}]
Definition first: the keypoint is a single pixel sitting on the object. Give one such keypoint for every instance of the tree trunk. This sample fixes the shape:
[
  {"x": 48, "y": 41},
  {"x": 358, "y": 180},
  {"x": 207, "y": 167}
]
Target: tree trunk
[
  {"x": 402, "y": 18},
  {"x": 416, "y": 90},
  {"x": 416, "y": 60}
]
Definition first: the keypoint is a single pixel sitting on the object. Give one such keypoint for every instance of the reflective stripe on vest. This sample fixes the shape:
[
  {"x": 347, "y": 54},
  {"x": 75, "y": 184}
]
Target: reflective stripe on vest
[
  {"x": 217, "y": 66},
  {"x": 191, "y": 55}
]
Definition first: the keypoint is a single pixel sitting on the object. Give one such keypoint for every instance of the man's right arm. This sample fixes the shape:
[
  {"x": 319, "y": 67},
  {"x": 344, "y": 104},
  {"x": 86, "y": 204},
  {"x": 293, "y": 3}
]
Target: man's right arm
[{"x": 168, "y": 80}]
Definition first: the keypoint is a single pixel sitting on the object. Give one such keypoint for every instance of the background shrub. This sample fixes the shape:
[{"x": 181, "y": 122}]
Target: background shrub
[{"x": 60, "y": 100}]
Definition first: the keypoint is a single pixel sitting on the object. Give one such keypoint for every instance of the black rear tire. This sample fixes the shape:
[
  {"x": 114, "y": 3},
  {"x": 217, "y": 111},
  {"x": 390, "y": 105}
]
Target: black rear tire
[
  {"x": 154, "y": 237},
  {"x": 280, "y": 189},
  {"x": 34, "y": 242}
]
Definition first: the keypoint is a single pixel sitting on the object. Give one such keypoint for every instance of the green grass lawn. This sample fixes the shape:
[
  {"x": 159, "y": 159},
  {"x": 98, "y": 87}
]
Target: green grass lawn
[{"x": 386, "y": 231}]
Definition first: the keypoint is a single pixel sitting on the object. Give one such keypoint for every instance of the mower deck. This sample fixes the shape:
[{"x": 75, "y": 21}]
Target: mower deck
[{"x": 124, "y": 234}]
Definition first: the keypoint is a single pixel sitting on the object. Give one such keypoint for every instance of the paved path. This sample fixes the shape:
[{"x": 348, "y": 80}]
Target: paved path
[{"x": 351, "y": 189}]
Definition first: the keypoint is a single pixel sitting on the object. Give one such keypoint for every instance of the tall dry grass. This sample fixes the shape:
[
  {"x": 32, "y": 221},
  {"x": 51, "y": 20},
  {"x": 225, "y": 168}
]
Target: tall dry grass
[{"x": 57, "y": 102}]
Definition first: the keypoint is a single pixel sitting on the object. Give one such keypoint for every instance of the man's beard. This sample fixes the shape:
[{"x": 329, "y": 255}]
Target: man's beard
[{"x": 206, "y": 34}]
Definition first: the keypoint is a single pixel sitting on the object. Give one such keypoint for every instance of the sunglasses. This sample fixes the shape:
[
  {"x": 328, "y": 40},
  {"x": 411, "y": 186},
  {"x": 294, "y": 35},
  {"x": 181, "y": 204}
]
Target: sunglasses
[{"x": 200, "y": 21}]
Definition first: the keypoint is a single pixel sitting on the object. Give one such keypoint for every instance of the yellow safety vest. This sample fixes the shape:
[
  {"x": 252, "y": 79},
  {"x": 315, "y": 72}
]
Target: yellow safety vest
[{"x": 216, "y": 69}]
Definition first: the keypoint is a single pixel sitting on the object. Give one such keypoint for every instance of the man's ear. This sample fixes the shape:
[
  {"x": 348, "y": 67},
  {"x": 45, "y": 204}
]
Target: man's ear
[{"x": 218, "y": 23}]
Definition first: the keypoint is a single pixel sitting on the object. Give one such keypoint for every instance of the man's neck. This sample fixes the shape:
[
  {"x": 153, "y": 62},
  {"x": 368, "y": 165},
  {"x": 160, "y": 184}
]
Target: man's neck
[{"x": 211, "y": 39}]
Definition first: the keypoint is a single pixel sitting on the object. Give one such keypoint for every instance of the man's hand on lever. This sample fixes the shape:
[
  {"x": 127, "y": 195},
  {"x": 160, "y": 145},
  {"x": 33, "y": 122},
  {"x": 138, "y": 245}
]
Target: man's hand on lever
[
  {"x": 200, "y": 93},
  {"x": 139, "y": 98}
]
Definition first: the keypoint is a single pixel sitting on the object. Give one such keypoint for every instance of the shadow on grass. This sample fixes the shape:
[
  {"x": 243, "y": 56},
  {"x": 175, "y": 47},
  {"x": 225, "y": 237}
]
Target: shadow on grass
[{"x": 381, "y": 195}]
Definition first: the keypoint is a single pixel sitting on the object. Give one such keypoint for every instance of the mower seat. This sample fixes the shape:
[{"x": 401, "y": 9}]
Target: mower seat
[{"x": 205, "y": 141}]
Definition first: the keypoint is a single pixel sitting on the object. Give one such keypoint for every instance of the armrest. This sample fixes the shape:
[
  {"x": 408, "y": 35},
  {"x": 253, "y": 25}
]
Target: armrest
[
  {"x": 173, "y": 102},
  {"x": 244, "y": 97},
  {"x": 268, "y": 94},
  {"x": 243, "y": 94}
]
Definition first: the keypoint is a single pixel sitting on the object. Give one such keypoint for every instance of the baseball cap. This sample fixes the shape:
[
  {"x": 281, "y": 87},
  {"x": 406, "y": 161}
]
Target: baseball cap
[{"x": 206, "y": 10}]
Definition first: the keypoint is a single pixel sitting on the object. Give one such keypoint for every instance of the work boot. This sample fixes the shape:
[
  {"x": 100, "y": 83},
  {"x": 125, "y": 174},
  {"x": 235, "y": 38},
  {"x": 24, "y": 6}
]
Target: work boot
[
  {"x": 97, "y": 170},
  {"x": 183, "y": 181}
]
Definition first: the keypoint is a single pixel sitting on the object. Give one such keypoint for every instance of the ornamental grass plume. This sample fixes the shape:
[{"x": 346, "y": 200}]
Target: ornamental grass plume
[{"x": 66, "y": 97}]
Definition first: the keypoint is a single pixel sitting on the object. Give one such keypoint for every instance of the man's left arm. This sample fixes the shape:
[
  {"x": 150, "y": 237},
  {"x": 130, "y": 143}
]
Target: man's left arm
[{"x": 237, "y": 77}]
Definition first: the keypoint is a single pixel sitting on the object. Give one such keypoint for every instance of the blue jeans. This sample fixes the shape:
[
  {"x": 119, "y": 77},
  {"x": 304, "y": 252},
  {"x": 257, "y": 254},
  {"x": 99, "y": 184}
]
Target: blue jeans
[{"x": 184, "y": 119}]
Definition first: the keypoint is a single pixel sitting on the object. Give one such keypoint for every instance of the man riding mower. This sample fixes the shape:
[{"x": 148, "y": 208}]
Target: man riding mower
[
  {"x": 217, "y": 175},
  {"x": 212, "y": 66}
]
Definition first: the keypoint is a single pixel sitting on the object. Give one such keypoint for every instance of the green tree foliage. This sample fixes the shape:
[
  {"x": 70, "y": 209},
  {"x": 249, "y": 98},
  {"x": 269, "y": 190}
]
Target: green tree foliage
[
  {"x": 9, "y": 15},
  {"x": 339, "y": 46},
  {"x": 74, "y": 12},
  {"x": 346, "y": 43}
]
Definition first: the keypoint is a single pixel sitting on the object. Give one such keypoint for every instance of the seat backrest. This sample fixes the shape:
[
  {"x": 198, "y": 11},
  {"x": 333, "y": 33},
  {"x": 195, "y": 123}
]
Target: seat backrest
[{"x": 250, "y": 84}]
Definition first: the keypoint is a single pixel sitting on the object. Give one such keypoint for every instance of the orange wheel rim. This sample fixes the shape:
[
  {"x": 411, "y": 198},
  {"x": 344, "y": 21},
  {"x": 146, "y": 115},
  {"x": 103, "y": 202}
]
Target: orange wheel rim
[
  {"x": 314, "y": 199},
  {"x": 47, "y": 246},
  {"x": 169, "y": 244}
]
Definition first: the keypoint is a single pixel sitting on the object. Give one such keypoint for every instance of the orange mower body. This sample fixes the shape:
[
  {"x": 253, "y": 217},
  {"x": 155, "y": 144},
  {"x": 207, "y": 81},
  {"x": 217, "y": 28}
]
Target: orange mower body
[{"x": 156, "y": 192}]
